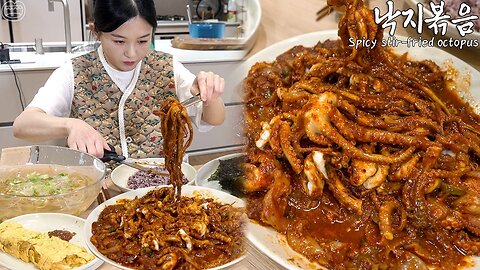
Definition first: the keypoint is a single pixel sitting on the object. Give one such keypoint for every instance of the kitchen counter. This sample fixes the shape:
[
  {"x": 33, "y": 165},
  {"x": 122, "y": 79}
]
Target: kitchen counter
[
  {"x": 33, "y": 61},
  {"x": 167, "y": 24},
  {"x": 200, "y": 56}
]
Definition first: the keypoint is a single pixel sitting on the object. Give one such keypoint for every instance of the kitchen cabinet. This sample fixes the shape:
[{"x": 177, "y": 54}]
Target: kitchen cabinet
[
  {"x": 230, "y": 133},
  {"x": 10, "y": 105},
  {"x": 4, "y": 32},
  {"x": 227, "y": 136},
  {"x": 232, "y": 94}
]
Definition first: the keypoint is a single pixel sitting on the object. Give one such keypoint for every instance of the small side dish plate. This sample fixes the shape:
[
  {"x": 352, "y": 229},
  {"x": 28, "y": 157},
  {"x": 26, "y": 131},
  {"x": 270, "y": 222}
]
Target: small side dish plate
[
  {"x": 45, "y": 222},
  {"x": 121, "y": 173},
  {"x": 208, "y": 169}
]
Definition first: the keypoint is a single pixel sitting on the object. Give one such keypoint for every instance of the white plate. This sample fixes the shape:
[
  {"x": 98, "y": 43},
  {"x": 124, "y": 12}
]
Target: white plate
[
  {"x": 45, "y": 222},
  {"x": 186, "y": 191},
  {"x": 208, "y": 169},
  {"x": 121, "y": 173},
  {"x": 452, "y": 31},
  {"x": 266, "y": 239}
]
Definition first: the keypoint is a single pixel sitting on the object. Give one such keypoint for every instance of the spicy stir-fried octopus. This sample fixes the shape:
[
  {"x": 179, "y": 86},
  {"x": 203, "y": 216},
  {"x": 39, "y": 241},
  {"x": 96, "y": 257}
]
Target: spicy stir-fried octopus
[
  {"x": 164, "y": 230},
  {"x": 157, "y": 231},
  {"x": 364, "y": 159},
  {"x": 177, "y": 136}
]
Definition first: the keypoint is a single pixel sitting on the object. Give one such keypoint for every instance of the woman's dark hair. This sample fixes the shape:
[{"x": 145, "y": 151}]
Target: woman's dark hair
[{"x": 108, "y": 15}]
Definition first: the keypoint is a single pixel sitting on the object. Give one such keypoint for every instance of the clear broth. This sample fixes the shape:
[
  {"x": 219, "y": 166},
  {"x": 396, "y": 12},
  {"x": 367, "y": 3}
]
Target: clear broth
[{"x": 41, "y": 180}]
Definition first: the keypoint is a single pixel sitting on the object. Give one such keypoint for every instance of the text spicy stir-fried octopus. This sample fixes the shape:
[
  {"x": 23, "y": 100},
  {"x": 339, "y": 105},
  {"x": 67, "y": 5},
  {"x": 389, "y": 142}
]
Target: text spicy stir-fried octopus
[
  {"x": 157, "y": 231},
  {"x": 164, "y": 230},
  {"x": 364, "y": 159}
]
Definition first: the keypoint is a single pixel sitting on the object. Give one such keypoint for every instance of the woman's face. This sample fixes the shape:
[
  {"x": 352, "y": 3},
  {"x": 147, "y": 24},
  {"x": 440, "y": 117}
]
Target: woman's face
[{"x": 128, "y": 44}]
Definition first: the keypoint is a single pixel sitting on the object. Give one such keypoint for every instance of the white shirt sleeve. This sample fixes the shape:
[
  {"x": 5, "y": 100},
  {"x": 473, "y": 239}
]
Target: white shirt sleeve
[
  {"x": 56, "y": 96},
  {"x": 183, "y": 82}
]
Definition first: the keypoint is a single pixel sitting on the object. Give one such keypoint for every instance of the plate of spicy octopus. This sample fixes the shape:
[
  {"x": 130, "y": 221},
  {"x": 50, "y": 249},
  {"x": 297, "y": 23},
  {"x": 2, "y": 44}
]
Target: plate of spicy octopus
[
  {"x": 362, "y": 158},
  {"x": 152, "y": 227}
]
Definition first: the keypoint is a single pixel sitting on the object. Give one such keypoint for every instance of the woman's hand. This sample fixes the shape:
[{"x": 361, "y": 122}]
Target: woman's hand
[
  {"x": 83, "y": 137},
  {"x": 33, "y": 124},
  {"x": 209, "y": 85}
]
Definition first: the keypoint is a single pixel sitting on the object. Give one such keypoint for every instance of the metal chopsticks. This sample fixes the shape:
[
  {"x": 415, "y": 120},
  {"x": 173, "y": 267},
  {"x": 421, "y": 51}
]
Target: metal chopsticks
[
  {"x": 191, "y": 101},
  {"x": 326, "y": 10},
  {"x": 104, "y": 194}
]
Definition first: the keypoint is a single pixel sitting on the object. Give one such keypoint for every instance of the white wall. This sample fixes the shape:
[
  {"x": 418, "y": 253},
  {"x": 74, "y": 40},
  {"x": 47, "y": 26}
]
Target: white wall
[{"x": 41, "y": 23}]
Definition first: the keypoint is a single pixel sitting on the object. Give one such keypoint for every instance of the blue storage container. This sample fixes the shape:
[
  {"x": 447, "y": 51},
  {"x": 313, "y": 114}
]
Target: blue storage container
[{"x": 207, "y": 30}]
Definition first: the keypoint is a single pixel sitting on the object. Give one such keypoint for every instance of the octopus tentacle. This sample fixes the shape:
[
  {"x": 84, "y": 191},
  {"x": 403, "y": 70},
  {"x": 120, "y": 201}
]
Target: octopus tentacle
[
  {"x": 341, "y": 193},
  {"x": 362, "y": 134},
  {"x": 287, "y": 148},
  {"x": 388, "y": 122},
  {"x": 420, "y": 104},
  {"x": 314, "y": 171},
  {"x": 385, "y": 217},
  {"x": 275, "y": 201},
  {"x": 259, "y": 171},
  {"x": 378, "y": 178},
  {"x": 319, "y": 122},
  {"x": 406, "y": 169},
  {"x": 410, "y": 80}
]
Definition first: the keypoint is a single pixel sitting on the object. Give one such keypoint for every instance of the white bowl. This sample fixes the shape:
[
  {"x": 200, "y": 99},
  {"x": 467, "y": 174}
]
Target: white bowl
[
  {"x": 217, "y": 195},
  {"x": 120, "y": 174}
]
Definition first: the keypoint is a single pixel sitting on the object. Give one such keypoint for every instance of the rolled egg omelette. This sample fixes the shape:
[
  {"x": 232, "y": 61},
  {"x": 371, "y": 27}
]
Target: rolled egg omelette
[{"x": 38, "y": 248}]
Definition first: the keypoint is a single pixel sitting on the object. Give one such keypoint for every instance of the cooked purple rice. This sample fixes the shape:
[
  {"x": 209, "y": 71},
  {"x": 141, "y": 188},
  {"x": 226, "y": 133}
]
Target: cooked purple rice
[{"x": 142, "y": 179}]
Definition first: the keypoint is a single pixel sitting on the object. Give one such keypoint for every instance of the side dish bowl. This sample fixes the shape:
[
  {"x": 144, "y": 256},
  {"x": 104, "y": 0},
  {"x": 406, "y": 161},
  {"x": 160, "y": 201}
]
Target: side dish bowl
[
  {"x": 46, "y": 160},
  {"x": 121, "y": 173}
]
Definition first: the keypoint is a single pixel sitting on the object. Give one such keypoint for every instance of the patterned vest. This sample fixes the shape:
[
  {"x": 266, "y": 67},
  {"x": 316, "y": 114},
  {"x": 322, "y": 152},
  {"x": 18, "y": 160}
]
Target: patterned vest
[{"x": 96, "y": 100}]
